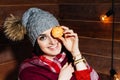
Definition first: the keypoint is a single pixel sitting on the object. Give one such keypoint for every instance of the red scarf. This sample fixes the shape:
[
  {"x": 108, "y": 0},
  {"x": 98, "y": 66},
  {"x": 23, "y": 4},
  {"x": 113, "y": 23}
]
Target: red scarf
[{"x": 54, "y": 65}]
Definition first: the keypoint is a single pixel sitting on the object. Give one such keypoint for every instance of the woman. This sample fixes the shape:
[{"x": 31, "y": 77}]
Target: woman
[{"x": 54, "y": 58}]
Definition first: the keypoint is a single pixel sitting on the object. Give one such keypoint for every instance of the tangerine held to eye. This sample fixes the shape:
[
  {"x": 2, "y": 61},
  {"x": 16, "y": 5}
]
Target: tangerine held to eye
[{"x": 57, "y": 32}]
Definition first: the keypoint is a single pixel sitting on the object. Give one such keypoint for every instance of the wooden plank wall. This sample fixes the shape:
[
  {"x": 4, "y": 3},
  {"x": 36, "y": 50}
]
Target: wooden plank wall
[
  {"x": 8, "y": 66},
  {"x": 80, "y": 15},
  {"x": 95, "y": 37},
  {"x": 17, "y": 7}
]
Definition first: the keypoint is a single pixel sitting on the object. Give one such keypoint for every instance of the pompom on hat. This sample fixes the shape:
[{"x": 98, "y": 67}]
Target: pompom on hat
[{"x": 35, "y": 21}]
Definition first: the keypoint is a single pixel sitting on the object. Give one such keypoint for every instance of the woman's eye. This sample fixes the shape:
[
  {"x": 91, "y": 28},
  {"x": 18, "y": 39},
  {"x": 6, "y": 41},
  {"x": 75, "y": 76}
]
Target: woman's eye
[{"x": 42, "y": 37}]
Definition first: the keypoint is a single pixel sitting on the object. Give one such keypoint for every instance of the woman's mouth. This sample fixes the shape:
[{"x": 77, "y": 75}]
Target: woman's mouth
[{"x": 53, "y": 47}]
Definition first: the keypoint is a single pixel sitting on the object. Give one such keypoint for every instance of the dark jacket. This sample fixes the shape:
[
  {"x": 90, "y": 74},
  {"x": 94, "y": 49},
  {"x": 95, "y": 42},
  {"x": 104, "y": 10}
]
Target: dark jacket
[{"x": 34, "y": 69}]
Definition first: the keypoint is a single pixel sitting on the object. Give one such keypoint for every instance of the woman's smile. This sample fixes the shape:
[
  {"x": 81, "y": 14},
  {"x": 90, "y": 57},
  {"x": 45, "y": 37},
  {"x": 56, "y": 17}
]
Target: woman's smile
[{"x": 53, "y": 47}]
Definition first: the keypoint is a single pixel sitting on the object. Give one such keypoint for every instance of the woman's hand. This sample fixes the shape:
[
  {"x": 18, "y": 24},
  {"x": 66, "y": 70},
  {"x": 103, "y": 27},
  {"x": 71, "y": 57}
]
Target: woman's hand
[
  {"x": 70, "y": 41},
  {"x": 66, "y": 72}
]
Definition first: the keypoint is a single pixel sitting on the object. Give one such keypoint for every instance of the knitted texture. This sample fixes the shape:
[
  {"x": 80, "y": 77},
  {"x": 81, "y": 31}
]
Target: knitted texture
[{"x": 37, "y": 21}]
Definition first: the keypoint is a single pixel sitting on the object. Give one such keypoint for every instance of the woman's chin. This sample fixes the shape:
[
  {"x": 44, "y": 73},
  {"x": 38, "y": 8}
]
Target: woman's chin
[{"x": 55, "y": 53}]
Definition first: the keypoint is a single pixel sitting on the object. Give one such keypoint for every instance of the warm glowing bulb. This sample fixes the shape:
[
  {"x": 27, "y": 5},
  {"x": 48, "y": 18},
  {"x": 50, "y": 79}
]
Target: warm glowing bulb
[
  {"x": 116, "y": 77},
  {"x": 105, "y": 19}
]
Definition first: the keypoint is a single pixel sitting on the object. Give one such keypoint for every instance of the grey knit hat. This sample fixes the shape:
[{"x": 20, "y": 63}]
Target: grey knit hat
[{"x": 37, "y": 21}]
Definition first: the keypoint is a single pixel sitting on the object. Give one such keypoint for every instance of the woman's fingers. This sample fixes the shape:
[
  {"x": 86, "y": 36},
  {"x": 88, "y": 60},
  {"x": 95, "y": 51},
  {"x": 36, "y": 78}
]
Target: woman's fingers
[
  {"x": 71, "y": 68},
  {"x": 66, "y": 72},
  {"x": 65, "y": 65},
  {"x": 74, "y": 35},
  {"x": 65, "y": 28},
  {"x": 68, "y": 31},
  {"x": 62, "y": 39},
  {"x": 68, "y": 67}
]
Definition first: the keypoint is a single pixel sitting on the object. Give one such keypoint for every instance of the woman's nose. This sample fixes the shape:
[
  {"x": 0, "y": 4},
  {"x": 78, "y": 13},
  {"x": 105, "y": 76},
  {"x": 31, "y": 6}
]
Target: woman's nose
[{"x": 52, "y": 40}]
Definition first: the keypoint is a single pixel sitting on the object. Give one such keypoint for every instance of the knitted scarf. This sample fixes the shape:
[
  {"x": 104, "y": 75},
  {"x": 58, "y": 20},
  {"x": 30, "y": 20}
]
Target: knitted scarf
[{"x": 54, "y": 65}]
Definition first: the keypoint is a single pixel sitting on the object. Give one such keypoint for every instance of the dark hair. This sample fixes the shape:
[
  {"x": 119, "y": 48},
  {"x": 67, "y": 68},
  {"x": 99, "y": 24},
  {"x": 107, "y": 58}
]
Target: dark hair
[{"x": 37, "y": 51}]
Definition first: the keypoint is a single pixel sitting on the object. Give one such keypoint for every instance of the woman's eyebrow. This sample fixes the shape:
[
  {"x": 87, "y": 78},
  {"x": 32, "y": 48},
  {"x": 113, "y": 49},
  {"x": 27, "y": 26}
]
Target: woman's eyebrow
[{"x": 42, "y": 35}]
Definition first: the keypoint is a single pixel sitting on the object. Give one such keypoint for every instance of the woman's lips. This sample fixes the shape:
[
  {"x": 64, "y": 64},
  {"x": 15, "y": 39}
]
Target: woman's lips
[{"x": 53, "y": 47}]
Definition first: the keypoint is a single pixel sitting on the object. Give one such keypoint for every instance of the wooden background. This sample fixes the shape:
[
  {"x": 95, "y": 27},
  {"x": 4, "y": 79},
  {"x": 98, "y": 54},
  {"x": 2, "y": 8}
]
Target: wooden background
[{"x": 81, "y": 15}]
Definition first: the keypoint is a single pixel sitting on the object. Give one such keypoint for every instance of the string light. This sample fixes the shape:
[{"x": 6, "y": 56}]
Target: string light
[
  {"x": 106, "y": 17},
  {"x": 113, "y": 73},
  {"x": 116, "y": 77}
]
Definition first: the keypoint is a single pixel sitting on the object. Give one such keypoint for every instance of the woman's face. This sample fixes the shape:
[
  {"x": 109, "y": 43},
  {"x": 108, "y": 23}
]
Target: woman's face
[{"x": 49, "y": 45}]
